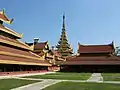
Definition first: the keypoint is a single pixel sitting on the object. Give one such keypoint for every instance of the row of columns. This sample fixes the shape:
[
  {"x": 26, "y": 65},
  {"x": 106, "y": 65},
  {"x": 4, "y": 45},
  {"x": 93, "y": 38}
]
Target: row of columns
[{"x": 10, "y": 68}]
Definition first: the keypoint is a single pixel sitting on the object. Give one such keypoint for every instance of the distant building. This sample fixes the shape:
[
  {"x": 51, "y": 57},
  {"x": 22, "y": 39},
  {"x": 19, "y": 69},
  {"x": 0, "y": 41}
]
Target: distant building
[
  {"x": 19, "y": 56},
  {"x": 49, "y": 54},
  {"x": 93, "y": 58},
  {"x": 63, "y": 46}
]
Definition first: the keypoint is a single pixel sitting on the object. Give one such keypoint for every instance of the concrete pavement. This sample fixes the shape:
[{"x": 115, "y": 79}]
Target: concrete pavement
[
  {"x": 38, "y": 85},
  {"x": 95, "y": 77}
]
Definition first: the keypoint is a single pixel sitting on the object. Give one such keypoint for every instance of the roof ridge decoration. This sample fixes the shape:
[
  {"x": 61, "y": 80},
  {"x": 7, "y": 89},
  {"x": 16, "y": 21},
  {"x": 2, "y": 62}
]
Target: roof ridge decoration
[
  {"x": 22, "y": 62},
  {"x": 15, "y": 44},
  {"x": 29, "y": 48},
  {"x": 19, "y": 55},
  {"x": 37, "y": 55},
  {"x": 4, "y": 18},
  {"x": 106, "y": 48},
  {"x": 96, "y": 44},
  {"x": 8, "y": 30}
]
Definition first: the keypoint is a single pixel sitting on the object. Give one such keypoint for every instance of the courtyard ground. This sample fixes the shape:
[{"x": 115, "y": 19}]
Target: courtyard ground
[
  {"x": 63, "y": 76},
  {"x": 83, "y": 86},
  {"x": 111, "y": 76},
  {"x": 7, "y": 84},
  {"x": 74, "y": 81}
]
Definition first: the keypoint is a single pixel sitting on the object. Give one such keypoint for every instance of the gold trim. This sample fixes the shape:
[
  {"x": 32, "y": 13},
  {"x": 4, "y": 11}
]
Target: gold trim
[
  {"x": 61, "y": 59},
  {"x": 12, "y": 32},
  {"x": 32, "y": 47},
  {"x": 26, "y": 45},
  {"x": 8, "y": 22},
  {"x": 14, "y": 44},
  {"x": 3, "y": 13},
  {"x": 23, "y": 63},
  {"x": 18, "y": 55},
  {"x": 37, "y": 55},
  {"x": 21, "y": 35},
  {"x": 48, "y": 55},
  {"x": 5, "y": 29}
]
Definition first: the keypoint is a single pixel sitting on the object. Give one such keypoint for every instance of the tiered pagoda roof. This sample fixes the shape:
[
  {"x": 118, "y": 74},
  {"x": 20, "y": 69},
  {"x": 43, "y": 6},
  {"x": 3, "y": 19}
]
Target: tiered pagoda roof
[
  {"x": 40, "y": 45},
  {"x": 98, "y": 60},
  {"x": 42, "y": 49},
  {"x": 11, "y": 32},
  {"x": 63, "y": 46},
  {"x": 13, "y": 51},
  {"x": 4, "y": 18},
  {"x": 13, "y": 42},
  {"x": 108, "y": 59},
  {"x": 96, "y": 48}
]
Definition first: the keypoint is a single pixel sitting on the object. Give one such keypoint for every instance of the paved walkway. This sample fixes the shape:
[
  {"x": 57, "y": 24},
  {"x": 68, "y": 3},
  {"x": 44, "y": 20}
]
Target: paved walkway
[
  {"x": 22, "y": 75},
  {"x": 38, "y": 85},
  {"x": 95, "y": 77}
]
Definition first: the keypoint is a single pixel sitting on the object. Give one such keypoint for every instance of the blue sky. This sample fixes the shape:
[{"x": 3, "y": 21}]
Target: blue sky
[{"x": 87, "y": 21}]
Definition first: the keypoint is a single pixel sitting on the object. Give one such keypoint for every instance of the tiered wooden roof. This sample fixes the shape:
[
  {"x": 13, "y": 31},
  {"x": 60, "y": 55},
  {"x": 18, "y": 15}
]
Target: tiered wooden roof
[
  {"x": 11, "y": 55},
  {"x": 40, "y": 46},
  {"x": 13, "y": 42},
  {"x": 57, "y": 55},
  {"x": 13, "y": 51},
  {"x": 42, "y": 49},
  {"x": 107, "y": 59},
  {"x": 11, "y": 32},
  {"x": 98, "y": 60},
  {"x": 4, "y": 18},
  {"x": 96, "y": 48}
]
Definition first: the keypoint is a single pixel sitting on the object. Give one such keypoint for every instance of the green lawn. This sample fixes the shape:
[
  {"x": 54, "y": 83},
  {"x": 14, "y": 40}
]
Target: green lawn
[
  {"x": 63, "y": 76},
  {"x": 111, "y": 76},
  {"x": 83, "y": 86},
  {"x": 7, "y": 84}
]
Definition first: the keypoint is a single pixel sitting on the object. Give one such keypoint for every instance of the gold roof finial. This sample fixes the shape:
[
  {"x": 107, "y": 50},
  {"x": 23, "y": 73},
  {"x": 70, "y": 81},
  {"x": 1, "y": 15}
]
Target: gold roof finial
[
  {"x": 64, "y": 20},
  {"x": 21, "y": 35},
  {"x": 2, "y": 12},
  {"x": 4, "y": 18}
]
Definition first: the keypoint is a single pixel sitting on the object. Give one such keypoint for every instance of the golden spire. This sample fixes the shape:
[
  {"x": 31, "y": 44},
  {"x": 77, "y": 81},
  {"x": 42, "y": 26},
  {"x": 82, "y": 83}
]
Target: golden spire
[
  {"x": 64, "y": 21},
  {"x": 2, "y": 12}
]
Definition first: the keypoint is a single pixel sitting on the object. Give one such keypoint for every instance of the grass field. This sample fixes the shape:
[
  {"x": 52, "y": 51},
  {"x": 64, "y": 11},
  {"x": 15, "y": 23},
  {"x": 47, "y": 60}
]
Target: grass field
[
  {"x": 7, "y": 84},
  {"x": 111, "y": 76},
  {"x": 83, "y": 86},
  {"x": 63, "y": 76}
]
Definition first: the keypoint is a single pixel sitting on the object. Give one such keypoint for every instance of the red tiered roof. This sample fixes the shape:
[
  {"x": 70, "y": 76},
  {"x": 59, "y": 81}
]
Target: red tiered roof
[
  {"x": 98, "y": 60},
  {"x": 96, "y": 48},
  {"x": 13, "y": 42},
  {"x": 39, "y": 46},
  {"x": 13, "y": 51},
  {"x": 108, "y": 59},
  {"x": 3, "y": 17},
  {"x": 56, "y": 53},
  {"x": 9, "y": 55},
  {"x": 9, "y": 31}
]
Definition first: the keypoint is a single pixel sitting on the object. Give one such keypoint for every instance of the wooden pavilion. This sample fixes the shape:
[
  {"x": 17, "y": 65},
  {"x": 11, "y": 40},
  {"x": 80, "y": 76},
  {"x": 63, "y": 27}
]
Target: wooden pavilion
[
  {"x": 93, "y": 58},
  {"x": 49, "y": 54},
  {"x": 14, "y": 54}
]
